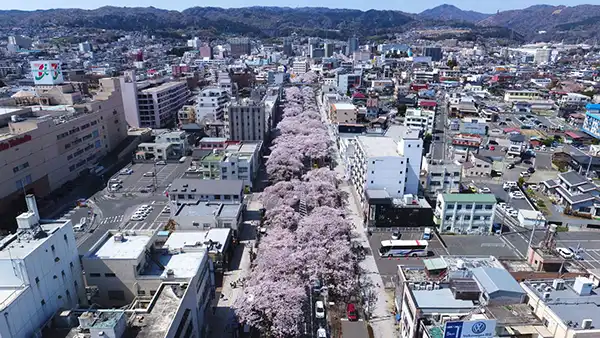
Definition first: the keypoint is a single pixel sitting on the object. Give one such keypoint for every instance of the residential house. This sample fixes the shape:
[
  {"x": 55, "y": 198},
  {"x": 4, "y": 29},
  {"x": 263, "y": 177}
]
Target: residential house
[
  {"x": 477, "y": 166},
  {"x": 575, "y": 193}
]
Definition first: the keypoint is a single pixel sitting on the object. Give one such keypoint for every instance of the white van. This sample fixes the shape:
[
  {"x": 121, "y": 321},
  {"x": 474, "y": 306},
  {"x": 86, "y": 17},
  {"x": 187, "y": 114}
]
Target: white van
[{"x": 181, "y": 160}]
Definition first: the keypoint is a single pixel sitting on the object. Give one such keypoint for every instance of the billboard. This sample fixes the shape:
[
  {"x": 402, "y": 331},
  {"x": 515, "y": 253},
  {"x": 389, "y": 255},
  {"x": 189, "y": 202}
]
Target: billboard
[
  {"x": 470, "y": 329},
  {"x": 47, "y": 72}
]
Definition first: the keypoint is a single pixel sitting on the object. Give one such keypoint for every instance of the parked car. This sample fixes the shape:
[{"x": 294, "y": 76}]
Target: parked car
[
  {"x": 510, "y": 166},
  {"x": 513, "y": 213},
  {"x": 126, "y": 171},
  {"x": 517, "y": 195},
  {"x": 531, "y": 170},
  {"x": 485, "y": 190},
  {"x": 509, "y": 184},
  {"x": 525, "y": 174},
  {"x": 351, "y": 312},
  {"x": 149, "y": 174},
  {"x": 161, "y": 163},
  {"x": 319, "y": 309},
  {"x": 321, "y": 333},
  {"x": 565, "y": 253},
  {"x": 396, "y": 235}
]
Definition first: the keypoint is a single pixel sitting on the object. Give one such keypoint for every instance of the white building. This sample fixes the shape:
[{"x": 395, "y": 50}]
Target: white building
[
  {"x": 212, "y": 102},
  {"x": 300, "y": 67},
  {"x": 523, "y": 95},
  {"x": 569, "y": 307},
  {"x": 542, "y": 56},
  {"x": 420, "y": 119},
  {"x": 382, "y": 163},
  {"x": 439, "y": 176},
  {"x": 465, "y": 213},
  {"x": 251, "y": 119},
  {"x": 41, "y": 270},
  {"x": 149, "y": 105},
  {"x": 47, "y": 146},
  {"x": 126, "y": 265},
  {"x": 85, "y": 47},
  {"x": 178, "y": 140}
]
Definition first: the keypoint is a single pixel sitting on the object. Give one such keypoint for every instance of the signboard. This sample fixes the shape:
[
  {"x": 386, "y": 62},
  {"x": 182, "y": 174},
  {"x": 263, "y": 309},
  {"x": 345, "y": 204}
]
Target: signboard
[
  {"x": 14, "y": 142},
  {"x": 470, "y": 329},
  {"x": 47, "y": 72}
]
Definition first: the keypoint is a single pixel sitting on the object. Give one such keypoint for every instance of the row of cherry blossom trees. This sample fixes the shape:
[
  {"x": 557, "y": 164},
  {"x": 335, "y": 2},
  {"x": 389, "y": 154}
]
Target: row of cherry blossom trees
[
  {"x": 300, "y": 248},
  {"x": 308, "y": 77}
]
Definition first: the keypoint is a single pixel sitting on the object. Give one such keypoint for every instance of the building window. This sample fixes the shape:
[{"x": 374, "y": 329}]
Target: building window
[
  {"x": 478, "y": 206},
  {"x": 94, "y": 274},
  {"x": 489, "y": 207},
  {"x": 469, "y": 206},
  {"x": 110, "y": 275},
  {"x": 467, "y": 218}
]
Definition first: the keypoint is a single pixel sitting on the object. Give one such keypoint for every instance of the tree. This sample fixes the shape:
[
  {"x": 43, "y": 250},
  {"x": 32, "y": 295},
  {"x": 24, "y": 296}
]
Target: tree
[
  {"x": 452, "y": 63},
  {"x": 521, "y": 181}
]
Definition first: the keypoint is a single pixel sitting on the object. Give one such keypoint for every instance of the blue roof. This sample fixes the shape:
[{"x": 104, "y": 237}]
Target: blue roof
[
  {"x": 593, "y": 106},
  {"x": 496, "y": 280}
]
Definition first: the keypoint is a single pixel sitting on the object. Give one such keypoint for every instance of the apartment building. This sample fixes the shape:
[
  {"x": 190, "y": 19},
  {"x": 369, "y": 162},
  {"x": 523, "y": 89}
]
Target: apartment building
[
  {"x": 212, "y": 102},
  {"x": 186, "y": 115},
  {"x": 240, "y": 46},
  {"x": 441, "y": 177},
  {"x": 420, "y": 119},
  {"x": 42, "y": 273},
  {"x": 48, "y": 146},
  {"x": 237, "y": 161},
  {"x": 465, "y": 213},
  {"x": 522, "y": 95},
  {"x": 382, "y": 163},
  {"x": 343, "y": 113},
  {"x": 152, "y": 104}
]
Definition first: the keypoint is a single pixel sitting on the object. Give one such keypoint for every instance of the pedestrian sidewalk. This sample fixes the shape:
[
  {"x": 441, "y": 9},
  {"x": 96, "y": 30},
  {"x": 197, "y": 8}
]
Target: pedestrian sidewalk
[
  {"x": 223, "y": 323},
  {"x": 382, "y": 320}
]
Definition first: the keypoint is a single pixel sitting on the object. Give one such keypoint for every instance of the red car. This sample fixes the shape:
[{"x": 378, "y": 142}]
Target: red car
[{"x": 351, "y": 312}]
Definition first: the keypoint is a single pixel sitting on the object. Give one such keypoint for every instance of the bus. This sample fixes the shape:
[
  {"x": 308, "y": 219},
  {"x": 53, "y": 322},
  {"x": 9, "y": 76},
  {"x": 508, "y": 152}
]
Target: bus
[{"x": 403, "y": 248}]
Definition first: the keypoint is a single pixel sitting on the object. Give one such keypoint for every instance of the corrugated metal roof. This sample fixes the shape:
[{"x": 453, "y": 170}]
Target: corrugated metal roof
[
  {"x": 466, "y": 198},
  {"x": 495, "y": 280}
]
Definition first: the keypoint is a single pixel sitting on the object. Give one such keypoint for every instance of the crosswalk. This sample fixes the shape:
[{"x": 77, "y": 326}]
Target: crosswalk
[{"x": 113, "y": 219}]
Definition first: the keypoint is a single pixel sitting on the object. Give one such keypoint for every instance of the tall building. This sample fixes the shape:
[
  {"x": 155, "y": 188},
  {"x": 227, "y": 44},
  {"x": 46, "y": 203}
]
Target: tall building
[
  {"x": 152, "y": 105},
  {"x": 45, "y": 146},
  {"x": 434, "y": 52},
  {"x": 328, "y": 47},
  {"x": 251, "y": 119},
  {"x": 212, "y": 102},
  {"x": 288, "y": 47},
  {"x": 42, "y": 273},
  {"x": 206, "y": 51},
  {"x": 194, "y": 43},
  {"x": 542, "y": 55},
  {"x": 352, "y": 45},
  {"x": 386, "y": 163},
  {"x": 591, "y": 123},
  {"x": 240, "y": 46},
  {"x": 300, "y": 67},
  {"x": 420, "y": 119}
]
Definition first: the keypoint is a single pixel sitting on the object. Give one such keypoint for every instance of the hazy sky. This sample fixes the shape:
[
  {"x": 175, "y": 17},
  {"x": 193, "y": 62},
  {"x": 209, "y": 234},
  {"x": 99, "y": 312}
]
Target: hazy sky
[{"x": 487, "y": 6}]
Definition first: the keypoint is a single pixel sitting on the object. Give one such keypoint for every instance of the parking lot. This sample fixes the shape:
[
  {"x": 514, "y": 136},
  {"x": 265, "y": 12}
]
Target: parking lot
[
  {"x": 146, "y": 175},
  {"x": 479, "y": 246},
  {"x": 388, "y": 267}
]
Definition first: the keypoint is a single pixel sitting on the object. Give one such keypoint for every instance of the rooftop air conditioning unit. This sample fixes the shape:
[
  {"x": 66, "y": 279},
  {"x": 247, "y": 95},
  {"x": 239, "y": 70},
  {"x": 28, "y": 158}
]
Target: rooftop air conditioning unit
[
  {"x": 546, "y": 295},
  {"x": 586, "y": 324}
]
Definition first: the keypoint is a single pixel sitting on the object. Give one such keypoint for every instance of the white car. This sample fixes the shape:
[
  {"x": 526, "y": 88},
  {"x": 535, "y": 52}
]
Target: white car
[
  {"x": 321, "y": 333},
  {"x": 564, "y": 253},
  {"x": 485, "y": 190},
  {"x": 502, "y": 205},
  {"x": 517, "y": 195},
  {"x": 509, "y": 184},
  {"x": 145, "y": 206},
  {"x": 513, "y": 213},
  {"x": 320, "y": 309},
  {"x": 137, "y": 218},
  {"x": 126, "y": 171}
]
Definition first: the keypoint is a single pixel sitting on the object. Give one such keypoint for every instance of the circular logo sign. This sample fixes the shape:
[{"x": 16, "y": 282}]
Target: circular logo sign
[{"x": 478, "y": 327}]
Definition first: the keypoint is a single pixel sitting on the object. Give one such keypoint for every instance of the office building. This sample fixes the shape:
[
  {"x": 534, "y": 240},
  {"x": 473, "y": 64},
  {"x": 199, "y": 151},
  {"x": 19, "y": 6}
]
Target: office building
[
  {"x": 41, "y": 270},
  {"x": 346, "y": 82},
  {"x": 465, "y": 213},
  {"x": 206, "y": 51},
  {"x": 47, "y": 146},
  {"x": 192, "y": 190},
  {"x": 300, "y": 67},
  {"x": 591, "y": 123},
  {"x": 152, "y": 105},
  {"x": 434, "y": 52},
  {"x": 420, "y": 119},
  {"x": 235, "y": 161},
  {"x": 352, "y": 45},
  {"x": 123, "y": 266},
  {"x": 288, "y": 47},
  {"x": 240, "y": 46},
  {"x": 212, "y": 103},
  {"x": 467, "y": 290},
  {"x": 385, "y": 163},
  {"x": 329, "y": 48},
  {"x": 194, "y": 43}
]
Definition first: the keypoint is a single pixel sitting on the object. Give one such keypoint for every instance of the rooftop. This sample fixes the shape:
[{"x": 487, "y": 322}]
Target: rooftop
[
  {"x": 469, "y": 198},
  {"x": 162, "y": 87},
  {"x": 378, "y": 146},
  {"x": 183, "y": 239},
  {"x": 130, "y": 247},
  {"x": 211, "y": 210},
  {"x": 207, "y": 187},
  {"x": 441, "y": 300},
  {"x": 159, "y": 318},
  {"x": 496, "y": 280},
  {"x": 22, "y": 243},
  {"x": 567, "y": 304}
]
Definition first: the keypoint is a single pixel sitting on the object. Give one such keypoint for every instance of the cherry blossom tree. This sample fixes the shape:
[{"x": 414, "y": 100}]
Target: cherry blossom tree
[
  {"x": 281, "y": 193},
  {"x": 282, "y": 216},
  {"x": 284, "y": 164}
]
